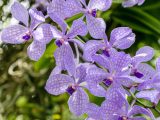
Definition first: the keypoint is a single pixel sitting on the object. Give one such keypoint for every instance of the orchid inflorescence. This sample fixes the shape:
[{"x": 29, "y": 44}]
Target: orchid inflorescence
[{"x": 104, "y": 69}]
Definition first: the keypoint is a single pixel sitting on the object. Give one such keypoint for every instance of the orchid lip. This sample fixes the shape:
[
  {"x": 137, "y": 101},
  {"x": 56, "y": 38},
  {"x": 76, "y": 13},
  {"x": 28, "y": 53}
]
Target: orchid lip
[
  {"x": 138, "y": 74},
  {"x": 122, "y": 118},
  {"x": 94, "y": 12},
  {"x": 107, "y": 82},
  {"x": 58, "y": 43},
  {"x": 106, "y": 52},
  {"x": 27, "y": 37},
  {"x": 70, "y": 90}
]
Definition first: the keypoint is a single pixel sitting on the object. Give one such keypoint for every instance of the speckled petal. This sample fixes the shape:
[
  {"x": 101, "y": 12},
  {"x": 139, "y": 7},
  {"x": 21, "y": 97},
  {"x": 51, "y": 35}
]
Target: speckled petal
[
  {"x": 14, "y": 34},
  {"x": 96, "y": 74},
  {"x": 102, "y": 60},
  {"x": 96, "y": 27},
  {"x": 100, "y": 4},
  {"x": 73, "y": 7},
  {"x": 59, "y": 21},
  {"x": 43, "y": 33},
  {"x": 36, "y": 50},
  {"x": 95, "y": 88},
  {"x": 158, "y": 64},
  {"x": 81, "y": 72},
  {"x": 120, "y": 62},
  {"x": 78, "y": 102},
  {"x": 93, "y": 112},
  {"x": 37, "y": 18},
  {"x": 147, "y": 71},
  {"x": 122, "y": 37},
  {"x": 115, "y": 104},
  {"x": 131, "y": 3},
  {"x": 57, "y": 84},
  {"x": 151, "y": 95},
  {"x": 20, "y": 13},
  {"x": 65, "y": 58},
  {"x": 58, "y": 8},
  {"x": 144, "y": 54},
  {"x": 78, "y": 28},
  {"x": 128, "y": 81},
  {"x": 91, "y": 47},
  {"x": 140, "y": 110}
]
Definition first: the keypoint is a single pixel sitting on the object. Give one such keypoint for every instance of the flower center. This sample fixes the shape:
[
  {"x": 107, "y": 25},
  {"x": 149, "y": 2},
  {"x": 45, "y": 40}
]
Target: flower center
[
  {"x": 108, "y": 81},
  {"x": 27, "y": 37},
  {"x": 106, "y": 53},
  {"x": 137, "y": 74},
  {"x": 93, "y": 12},
  {"x": 59, "y": 43},
  {"x": 71, "y": 89},
  {"x": 123, "y": 118}
]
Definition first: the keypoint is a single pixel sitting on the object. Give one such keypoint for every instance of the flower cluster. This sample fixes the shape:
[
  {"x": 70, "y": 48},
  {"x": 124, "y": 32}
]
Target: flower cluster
[{"x": 104, "y": 69}]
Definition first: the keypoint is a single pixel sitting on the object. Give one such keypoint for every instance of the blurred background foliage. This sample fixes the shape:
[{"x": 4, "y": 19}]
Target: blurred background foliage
[{"x": 22, "y": 81}]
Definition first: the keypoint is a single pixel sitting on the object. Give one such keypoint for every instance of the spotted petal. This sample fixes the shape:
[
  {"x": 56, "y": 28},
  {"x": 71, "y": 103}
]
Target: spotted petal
[
  {"x": 73, "y": 7},
  {"x": 59, "y": 21},
  {"x": 93, "y": 111},
  {"x": 131, "y": 3},
  {"x": 147, "y": 71},
  {"x": 144, "y": 54},
  {"x": 20, "y": 13},
  {"x": 43, "y": 33},
  {"x": 115, "y": 104},
  {"x": 96, "y": 74},
  {"x": 78, "y": 28},
  {"x": 91, "y": 47},
  {"x": 65, "y": 58},
  {"x": 58, "y": 8},
  {"x": 102, "y": 60},
  {"x": 120, "y": 61},
  {"x": 100, "y": 4},
  {"x": 78, "y": 102},
  {"x": 57, "y": 84},
  {"x": 129, "y": 81},
  {"x": 158, "y": 64},
  {"x": 140, "y": 110},
  {"x": 122, "y": 37},
  {"x": 36, "y": 50},
  {"x": 96, "y": 27},
  {"x": 152, "y": 95},
  {"x": 14, "y": 34},
  {"x": 37, "y": 17}
]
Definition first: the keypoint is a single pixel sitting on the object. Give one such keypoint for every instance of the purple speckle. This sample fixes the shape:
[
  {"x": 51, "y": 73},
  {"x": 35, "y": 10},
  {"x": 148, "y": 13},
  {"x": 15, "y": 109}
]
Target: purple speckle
[
  {"x": 70, "y": 90},
  {"x": 106, "y": 52},
  {"x": 107, "y": 82},
  {"x": 94, "y": 12},
  {"x": 58, "y": 43},
  {"x": 26, "y": 37}
]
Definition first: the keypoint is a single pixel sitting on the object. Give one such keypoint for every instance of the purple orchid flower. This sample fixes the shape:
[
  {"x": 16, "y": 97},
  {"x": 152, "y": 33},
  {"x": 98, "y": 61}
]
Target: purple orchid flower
[
  {"x": 116, "y": 72},
  {"x": 131, "y": 3},
  {"x": 73, "y": 85},
  {"x": 150, "y": 89},
  {"x": 139, "y": 69},
  {"x": 116, "y": 107},
  {"x": 18, "y": 34},
  {"x": 64, "y": 55},
  {"x": 59, "y": 10},
  {"x": 121, "y": 38}
]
